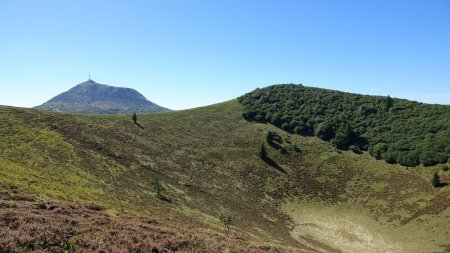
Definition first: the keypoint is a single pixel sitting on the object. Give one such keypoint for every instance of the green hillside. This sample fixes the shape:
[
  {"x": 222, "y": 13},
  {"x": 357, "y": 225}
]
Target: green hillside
[
  {"x": 97, "y": 168},
  {"x": 395, "y": 130}
]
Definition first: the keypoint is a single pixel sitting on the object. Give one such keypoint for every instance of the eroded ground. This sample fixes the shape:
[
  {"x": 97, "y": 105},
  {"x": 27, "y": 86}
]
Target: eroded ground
[{"x": 344, "y": 228}]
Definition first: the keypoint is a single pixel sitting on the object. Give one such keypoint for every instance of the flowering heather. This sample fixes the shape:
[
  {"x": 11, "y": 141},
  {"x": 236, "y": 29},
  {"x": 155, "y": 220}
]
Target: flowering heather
[{"x": 30, "y": 227}]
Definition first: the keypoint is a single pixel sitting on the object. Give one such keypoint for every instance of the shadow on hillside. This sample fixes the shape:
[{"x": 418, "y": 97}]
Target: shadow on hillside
[
  {"x": 273, "y": 164},
  {"x": 278, "y": 147},
  {"x": 275, "y": 141},
  {"x": 139, "y": 125},
  {"x": 441, "y": 184},
  {"x": 165, "y": 199}
]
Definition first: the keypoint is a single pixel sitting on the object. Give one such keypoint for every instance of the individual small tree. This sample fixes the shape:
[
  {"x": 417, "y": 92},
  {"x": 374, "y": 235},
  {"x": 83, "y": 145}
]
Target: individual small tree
[
  {"x": 159, "y": 188},
  {"x": 389, "y": 102},
  {"x": 269, "y": 137},
  {"x": 436, "y": 180},
  {"x": 226, "y": 221},
  {"x": 263, "y": 155},
  {"x": 263, "y": 152},
  {"x": 273, "y": 137},
  {"x": 136, "y": 122}
]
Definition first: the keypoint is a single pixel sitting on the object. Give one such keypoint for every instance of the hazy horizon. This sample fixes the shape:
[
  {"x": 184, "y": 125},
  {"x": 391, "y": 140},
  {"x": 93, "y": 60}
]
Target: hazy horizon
[{"x": 182, "y": 54}]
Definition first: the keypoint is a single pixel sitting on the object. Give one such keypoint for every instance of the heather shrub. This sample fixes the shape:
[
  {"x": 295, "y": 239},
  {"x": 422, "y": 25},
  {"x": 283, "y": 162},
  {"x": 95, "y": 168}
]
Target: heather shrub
[
  {"x": 436, "y": 180},
  {"x": 7, "y": 204}
]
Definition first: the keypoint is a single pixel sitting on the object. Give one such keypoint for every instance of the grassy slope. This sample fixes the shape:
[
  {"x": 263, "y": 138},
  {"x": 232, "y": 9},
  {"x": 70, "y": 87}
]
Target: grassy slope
[{"x": 208, "y": 160}]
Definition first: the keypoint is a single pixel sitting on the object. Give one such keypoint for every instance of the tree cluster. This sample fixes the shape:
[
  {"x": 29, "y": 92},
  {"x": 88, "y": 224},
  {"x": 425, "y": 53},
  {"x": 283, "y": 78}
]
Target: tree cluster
[{"x": 395, "y": 130}]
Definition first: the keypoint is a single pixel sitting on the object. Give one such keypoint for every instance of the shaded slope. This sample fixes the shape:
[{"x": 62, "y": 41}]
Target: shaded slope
[
  {"x": 208, "y": 160},
  {"x": 93, "y": 98}
]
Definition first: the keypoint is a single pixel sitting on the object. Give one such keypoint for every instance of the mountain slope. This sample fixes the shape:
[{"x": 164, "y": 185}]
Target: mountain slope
[
  {"x": 93, "y": 98},
  {"x": 394, "y": 130},
  {"x": 207, "y": 159}
]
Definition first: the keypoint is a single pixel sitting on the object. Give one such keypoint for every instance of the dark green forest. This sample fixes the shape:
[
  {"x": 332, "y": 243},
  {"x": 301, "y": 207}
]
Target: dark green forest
[{"x": 395, "y": 130}]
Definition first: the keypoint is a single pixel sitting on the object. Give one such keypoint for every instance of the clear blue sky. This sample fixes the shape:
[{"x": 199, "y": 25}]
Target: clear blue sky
[{"x": 189, "y": 53}]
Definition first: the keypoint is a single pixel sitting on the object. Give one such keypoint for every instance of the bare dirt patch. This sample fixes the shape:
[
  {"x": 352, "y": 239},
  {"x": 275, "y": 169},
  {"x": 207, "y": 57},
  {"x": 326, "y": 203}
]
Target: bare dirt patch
[{"x": 350, "y": 229}]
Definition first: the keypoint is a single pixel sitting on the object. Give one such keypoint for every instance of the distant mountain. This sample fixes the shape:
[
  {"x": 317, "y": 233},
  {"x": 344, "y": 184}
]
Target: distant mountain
[{"x": 93, "y": 98}]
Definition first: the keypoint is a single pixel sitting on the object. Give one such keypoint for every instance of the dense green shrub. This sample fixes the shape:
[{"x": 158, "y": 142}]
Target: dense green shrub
[
  {"x": 395, "y": 130},
  {"x": 378, "y": 150},
  {"x": 436, "y": 180},
  {"x": 343, "y": 137},
  {"x": 429, "y": 158},
  {"x": 324, "y": 131},
  {"x": 273, "y": 137},
  {"x": 408, "y": 158}
]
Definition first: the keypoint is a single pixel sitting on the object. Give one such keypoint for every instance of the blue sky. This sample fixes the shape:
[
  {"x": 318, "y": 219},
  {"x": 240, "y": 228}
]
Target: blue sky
[{"x": 189, "y": 53}]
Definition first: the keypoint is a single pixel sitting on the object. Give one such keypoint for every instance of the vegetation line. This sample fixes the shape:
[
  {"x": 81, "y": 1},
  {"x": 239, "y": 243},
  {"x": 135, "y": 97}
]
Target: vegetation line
[{"x": 395, "y": 130}]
